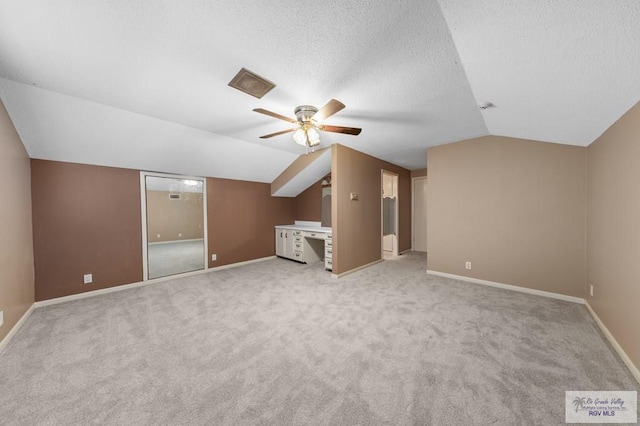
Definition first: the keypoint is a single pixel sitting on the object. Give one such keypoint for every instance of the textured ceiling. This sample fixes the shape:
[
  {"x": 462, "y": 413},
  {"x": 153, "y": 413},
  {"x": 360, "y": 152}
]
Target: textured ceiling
[{"x": 143, "y": 84}]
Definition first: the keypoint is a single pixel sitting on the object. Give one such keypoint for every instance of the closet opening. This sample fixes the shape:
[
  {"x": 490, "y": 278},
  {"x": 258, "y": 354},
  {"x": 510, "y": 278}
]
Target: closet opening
[
  {"x": 174, "y": 224},
  {"x": 389, "y": 214}
]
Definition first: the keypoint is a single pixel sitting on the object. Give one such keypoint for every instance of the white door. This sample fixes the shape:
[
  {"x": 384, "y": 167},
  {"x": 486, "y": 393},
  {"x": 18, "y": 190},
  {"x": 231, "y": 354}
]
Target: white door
[{"x": 420, "y": 214}]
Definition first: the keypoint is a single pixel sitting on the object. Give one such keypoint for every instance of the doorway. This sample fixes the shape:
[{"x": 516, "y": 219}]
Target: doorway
[
  {"x": 389, "y": 214},
  {"x": 174, "y": 233},
  {"x": 419, "y": 216}
]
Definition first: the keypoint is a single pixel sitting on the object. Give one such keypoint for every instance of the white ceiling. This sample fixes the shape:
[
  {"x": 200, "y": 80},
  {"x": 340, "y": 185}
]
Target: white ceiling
[{"x": 143, "y": 85}]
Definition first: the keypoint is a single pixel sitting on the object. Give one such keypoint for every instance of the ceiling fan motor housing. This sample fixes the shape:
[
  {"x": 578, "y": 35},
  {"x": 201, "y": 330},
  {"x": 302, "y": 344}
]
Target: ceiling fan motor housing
[{"x": 304, "y": 113}]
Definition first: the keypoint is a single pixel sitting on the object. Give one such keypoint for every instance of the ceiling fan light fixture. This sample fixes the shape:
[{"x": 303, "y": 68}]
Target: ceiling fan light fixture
[
  {"x": 307, "y": 135},
  {"x": 300, "y": 137},
  {"x": 313, "y": 136},
  {"x": 309, "y": 121},
  {"x": 304, "y": 113}
]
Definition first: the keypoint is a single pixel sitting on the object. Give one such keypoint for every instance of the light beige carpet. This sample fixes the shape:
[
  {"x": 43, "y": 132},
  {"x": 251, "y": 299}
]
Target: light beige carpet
[{"x": 280, "y": 343}]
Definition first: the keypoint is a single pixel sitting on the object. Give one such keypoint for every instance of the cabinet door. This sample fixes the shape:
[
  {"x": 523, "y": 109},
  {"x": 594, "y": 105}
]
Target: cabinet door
[
  {"x": 288, "y": 243},
  {"x": 280, "y": 242}
]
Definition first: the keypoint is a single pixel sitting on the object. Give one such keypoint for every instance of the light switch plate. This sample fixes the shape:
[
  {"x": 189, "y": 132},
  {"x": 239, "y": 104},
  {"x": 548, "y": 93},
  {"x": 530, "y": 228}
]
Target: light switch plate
[
  {"x": 88, "y": 278},
  {"x": 354, "y": 196},
  {"x": 1, "y": 318}
]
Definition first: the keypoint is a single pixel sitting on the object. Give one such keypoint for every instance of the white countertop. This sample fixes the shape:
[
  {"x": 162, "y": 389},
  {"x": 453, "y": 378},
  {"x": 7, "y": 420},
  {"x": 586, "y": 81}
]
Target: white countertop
[{"x": 309, "y": 228}]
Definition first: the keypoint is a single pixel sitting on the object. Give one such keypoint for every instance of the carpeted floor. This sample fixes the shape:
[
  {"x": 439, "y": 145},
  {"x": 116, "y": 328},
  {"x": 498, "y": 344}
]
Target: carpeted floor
[
  {"x": 175, "y": 257},
  {"x": 278, "y": 342}
]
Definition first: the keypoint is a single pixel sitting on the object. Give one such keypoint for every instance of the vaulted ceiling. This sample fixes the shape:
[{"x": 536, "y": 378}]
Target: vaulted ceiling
[{"x": 143, "y": 84}]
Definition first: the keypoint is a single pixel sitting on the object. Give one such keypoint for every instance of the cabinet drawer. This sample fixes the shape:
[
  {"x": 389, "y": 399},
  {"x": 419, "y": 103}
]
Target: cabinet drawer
[
  {"x": 297, "y": 255},
  {"x": 297, "y": 239},
  {"x": 295, "y": 233},
  {"x": 314, "y": 235},
  {"x": 298, "y": 247},
  {"x": 328, "y": 251},
  {"x": 328, "y": 264},
  {"x": 328, "y": 243}
]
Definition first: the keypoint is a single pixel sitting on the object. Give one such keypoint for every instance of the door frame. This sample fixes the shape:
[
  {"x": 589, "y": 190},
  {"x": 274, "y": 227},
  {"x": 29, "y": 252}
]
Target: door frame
[
  {"x": 396, "y": 242},
  {"x": 143, "y": 210}
]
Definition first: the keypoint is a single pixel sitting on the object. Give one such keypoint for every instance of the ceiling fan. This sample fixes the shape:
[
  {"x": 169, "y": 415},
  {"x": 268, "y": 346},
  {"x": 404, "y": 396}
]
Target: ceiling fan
[{"x": 308, "y": 123}]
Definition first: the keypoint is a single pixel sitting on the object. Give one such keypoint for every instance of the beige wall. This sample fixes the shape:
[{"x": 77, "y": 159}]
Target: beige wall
[
  {"x": 514, "y": 208},
  {"x": 357, "y": 232},
  {"x": 613, "y": 230},
  {"x": 16, "y": 243},
  {"x": 174, "y": 220}
]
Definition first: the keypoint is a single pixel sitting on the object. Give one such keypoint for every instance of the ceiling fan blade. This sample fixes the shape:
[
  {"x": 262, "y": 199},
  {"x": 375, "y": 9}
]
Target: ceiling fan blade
[
  {"x": 328, "y": 110},
  {"x": 275, "y": 115},
  {"x": 270, "y": 135},
  {"x": 340, "y": 129}
]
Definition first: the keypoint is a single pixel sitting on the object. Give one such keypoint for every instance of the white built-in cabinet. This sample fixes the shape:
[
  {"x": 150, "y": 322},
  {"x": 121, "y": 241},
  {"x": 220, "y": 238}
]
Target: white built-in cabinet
[
  {"x": 304, "y": 246},
  {"x": 328, "y": 253},
  {"x": 284, "y": 242}
]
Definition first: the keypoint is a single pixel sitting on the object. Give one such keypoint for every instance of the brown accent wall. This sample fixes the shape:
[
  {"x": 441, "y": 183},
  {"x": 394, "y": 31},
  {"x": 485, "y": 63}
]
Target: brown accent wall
[
  {"x": 16, "y": 243},
  {"x": 308, "y": 205},
  {"x": 514, "y": 208},
  {"x": 174, "y": 220},
  {"x": 241, "y": 220},
  {"x": 86, "y": 219},
  {"x": 613, "y": 230},
  {"x": 357, "y": 232},
  {"x": 418, "y": 173}
]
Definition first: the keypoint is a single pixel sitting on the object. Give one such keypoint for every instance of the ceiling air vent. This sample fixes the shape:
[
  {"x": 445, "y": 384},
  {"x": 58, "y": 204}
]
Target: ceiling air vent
[
  {"x": 174, "y": 196},
  {"x": 251, "y": 83}
]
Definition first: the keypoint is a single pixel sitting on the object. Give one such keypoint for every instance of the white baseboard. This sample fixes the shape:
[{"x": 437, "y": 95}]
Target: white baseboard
[
  {"x": 625, "y": 358},
  {"x": 14, "y": 330},
  {"x": 246, "y": 262},
  {"x": 174, "y": 241},
  {"x": 510, "y": 287},
  {"x": 142, "y": 283},
  {"x": 359, "y": 268}
]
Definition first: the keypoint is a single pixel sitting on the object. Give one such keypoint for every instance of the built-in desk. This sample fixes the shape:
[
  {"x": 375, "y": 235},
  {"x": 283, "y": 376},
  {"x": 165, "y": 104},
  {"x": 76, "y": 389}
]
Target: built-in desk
[{"x": 305, "y": 242}]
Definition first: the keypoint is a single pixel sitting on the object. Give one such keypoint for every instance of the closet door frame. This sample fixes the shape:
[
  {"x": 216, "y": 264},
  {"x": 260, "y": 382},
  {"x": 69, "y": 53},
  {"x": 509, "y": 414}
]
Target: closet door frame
[{"x": 143, "y": 210}]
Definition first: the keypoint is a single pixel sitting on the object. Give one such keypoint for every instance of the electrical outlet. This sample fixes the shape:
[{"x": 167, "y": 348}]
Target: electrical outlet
[
  {"x": 1, "y": 318},
  {"x": 214, "y": 257},
  {"x": 88, "y": 278},
  {"x": 467, "y": 265},
  {"x": 179, "y": 234},
  {"x": 158, "y": 236},
  {"x": 591, "y": 290}
]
